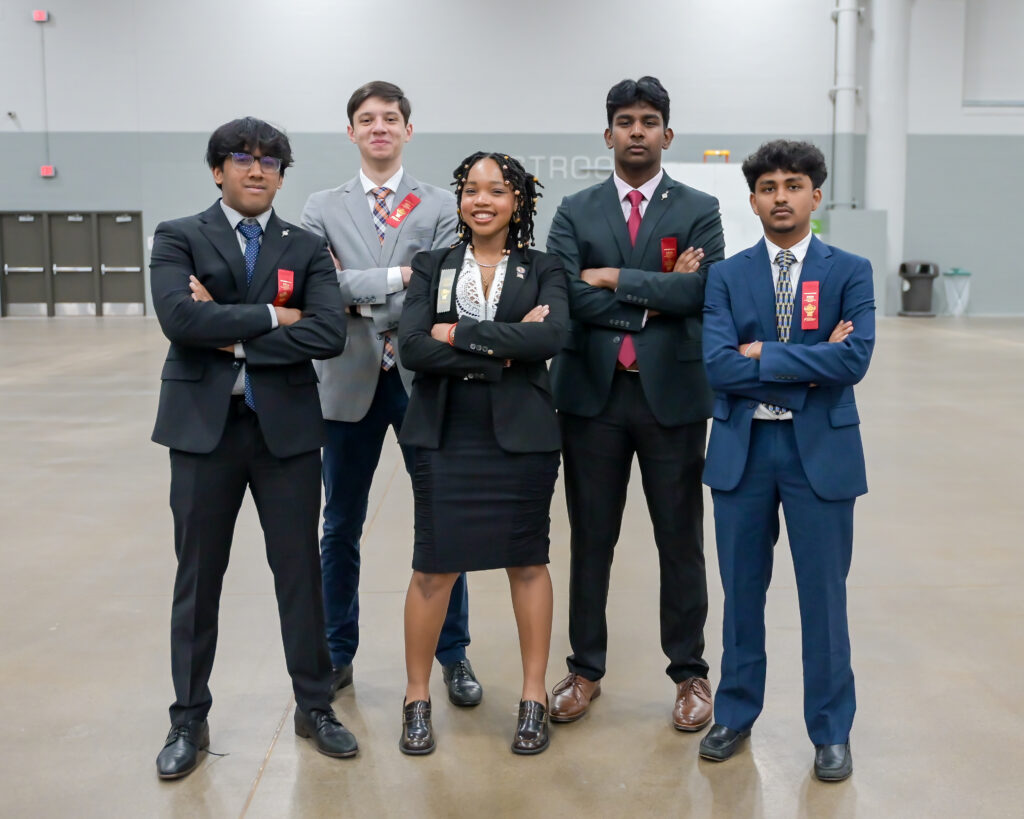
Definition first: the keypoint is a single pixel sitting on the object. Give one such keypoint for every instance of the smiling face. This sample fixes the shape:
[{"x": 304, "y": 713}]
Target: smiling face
[
  {"x": 784, "y": 202},
  {"x": 487, "y": 201},
  {"x": 250, "y": 190},
  {"x": 637, "y": 137},
  {"x": 379, "y": 130}
]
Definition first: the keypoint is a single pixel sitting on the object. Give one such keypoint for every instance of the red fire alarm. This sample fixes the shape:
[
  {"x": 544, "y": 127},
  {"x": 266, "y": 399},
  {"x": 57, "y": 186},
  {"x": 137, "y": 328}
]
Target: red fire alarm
[
  {"x": 47, "y": 171},
  {"x": 41, "y": 16}
]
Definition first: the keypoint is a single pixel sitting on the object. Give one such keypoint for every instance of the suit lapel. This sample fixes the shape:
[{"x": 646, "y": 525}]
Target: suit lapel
[
  {"x": 215, "y": 227},
  {"x": 762, "y": 289},
  {"x": 275, "y": 239},
  {"x": 611, "y": 207},
  {"x": 517, "y": 271},
  {"x": 653, "y": 213},
  {"x": 815, "y": 268},
  {"x": 391, "y": 234},
  {"x": 359, "y": 212}
]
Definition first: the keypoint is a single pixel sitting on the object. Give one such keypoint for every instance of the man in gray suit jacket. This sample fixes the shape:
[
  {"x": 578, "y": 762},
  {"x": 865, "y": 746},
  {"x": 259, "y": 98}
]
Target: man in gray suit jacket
[{"x": 374, "y": 224}]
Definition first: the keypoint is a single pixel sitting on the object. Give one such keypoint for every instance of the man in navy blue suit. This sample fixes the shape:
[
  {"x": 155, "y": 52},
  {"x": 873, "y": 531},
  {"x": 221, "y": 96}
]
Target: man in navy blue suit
[{"x": 789, "y": 327}]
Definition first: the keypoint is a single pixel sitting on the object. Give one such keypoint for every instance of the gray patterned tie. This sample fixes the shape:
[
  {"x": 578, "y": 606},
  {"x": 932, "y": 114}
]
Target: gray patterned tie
[
  {"x": 783, "y": 306},
  {"x": 252, "y": 232}
]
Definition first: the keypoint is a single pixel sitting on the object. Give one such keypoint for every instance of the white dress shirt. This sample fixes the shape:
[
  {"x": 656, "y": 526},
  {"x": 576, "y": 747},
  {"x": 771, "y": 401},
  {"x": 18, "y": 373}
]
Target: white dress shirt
[
  {"x": 799, "y": 250},
  {"x": 647, "y": 190}
]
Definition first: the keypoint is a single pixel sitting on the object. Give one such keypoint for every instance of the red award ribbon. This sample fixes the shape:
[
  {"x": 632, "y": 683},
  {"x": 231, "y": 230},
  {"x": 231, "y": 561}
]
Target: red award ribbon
[
  {"x": 405, "y": 207},
  {"x": 285, "y": 286},
  {"x": 669, "y": 254},
  {"x": 809, "y": 306}
]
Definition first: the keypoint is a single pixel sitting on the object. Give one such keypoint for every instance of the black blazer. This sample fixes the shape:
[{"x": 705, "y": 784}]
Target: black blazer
[
  {"x": 589, "y": 231},
  {"x": 197, "y": 377},
  {"x": 523, "y": 410}
]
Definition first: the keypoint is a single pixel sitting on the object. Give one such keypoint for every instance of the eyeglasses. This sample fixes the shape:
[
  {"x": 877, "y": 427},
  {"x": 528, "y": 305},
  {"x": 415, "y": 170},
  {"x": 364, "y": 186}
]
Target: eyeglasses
[{"x": 268, "y": 164}]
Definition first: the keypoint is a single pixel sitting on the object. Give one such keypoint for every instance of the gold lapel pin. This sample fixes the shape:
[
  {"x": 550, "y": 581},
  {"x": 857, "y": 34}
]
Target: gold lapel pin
[{"x": 521, "y": 272}]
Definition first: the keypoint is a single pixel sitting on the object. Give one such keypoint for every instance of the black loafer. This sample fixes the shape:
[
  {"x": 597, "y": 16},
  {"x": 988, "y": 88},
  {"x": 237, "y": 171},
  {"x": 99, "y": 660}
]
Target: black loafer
[
  {"x": 532, "y": 729},
  {"x": 720, "y": 743},
  {"x": 330, "y": 736},
  {"x": 341, "y": 677},
  {"x": 463, "y": 688},
  {"x": 417, "y": 731},
  {"x": 180, "y": 754},
  {"x": 833, "y": 763}
]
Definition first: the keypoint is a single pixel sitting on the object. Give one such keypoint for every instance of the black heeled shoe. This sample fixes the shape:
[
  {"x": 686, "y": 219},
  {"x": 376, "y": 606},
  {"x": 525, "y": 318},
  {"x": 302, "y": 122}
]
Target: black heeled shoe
[
  {"x": 532, "y": 729},
  {"x": 417, "y": 732}
]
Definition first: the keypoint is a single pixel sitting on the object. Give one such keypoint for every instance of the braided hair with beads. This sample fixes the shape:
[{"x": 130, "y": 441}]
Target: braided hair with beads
[{"x": 523, "y": 184}]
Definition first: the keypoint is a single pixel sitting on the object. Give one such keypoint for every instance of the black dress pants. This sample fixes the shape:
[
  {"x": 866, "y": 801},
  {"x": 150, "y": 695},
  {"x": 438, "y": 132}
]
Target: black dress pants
[
  {"x": 206, "y": 493},
  {"x": 598, "y": 455}
]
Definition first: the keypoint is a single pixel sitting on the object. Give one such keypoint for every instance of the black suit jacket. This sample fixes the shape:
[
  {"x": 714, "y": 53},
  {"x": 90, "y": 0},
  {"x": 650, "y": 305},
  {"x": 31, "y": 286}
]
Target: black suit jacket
[
  {"x": 589, "y": 231},
  {"x": 198, "y": 377},
  {"x": 523, "y": 410}
]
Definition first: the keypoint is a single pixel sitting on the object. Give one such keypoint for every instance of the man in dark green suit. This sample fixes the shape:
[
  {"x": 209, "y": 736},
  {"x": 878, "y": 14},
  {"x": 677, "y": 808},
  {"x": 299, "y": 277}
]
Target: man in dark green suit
[{"x": 631, "y": 382}]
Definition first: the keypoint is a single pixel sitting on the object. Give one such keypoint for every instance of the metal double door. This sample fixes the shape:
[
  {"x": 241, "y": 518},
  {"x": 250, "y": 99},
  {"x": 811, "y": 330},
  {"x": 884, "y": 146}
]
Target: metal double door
[{"x": 71, "y": 264}]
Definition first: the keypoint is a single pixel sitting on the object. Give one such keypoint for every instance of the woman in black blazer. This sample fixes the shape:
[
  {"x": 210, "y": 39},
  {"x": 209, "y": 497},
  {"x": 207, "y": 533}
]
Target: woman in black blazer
[{"x": 480, "y": 321}]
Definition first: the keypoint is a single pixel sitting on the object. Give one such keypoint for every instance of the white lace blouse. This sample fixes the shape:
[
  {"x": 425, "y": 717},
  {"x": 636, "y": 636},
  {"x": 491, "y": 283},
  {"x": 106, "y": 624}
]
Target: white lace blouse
[{"x": 469, "y": 290}]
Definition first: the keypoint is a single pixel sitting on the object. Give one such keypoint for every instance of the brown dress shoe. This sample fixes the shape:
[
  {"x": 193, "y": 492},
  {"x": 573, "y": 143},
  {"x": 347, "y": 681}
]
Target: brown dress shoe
[
  {"x": 571, "y": 698},
  {"x": 693, "y": 704}
]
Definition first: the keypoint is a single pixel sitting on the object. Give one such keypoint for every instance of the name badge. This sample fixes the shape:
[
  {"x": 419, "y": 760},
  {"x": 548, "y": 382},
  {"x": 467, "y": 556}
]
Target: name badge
[
  {"x": 405, "y": 207},
  {"x": 285, "y": 286},
  {"x": 809, "y": 305},
  {"x": 669, "y": 254},
  {"x": 444, "y": 290}
]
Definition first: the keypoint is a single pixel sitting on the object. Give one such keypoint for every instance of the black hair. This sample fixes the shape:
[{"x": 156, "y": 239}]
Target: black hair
[
  {"x": 629, "y": 92},
  {"x": 248, "y": 134},
  {"x": 786, "y": 155},
  {"x": 524, "y": 185},
  {"x": 387, "y": 91}
]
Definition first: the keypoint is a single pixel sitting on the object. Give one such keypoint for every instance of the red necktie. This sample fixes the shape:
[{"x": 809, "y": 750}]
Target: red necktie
[{"x": 627, "y": 352}]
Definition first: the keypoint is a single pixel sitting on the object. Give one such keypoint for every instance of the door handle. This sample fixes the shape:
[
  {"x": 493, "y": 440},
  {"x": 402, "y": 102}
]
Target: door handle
[
  {"x": 8, "y": 269},
  {"x": 57, "y": 270},
  {"x": 105, "y": 269}
]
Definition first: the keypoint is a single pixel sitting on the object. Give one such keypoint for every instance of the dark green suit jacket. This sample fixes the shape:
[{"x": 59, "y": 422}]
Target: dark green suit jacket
[{"x": 589, "y": 230}]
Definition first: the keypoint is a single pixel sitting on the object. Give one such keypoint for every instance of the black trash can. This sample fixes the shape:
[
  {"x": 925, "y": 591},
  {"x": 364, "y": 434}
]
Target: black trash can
[{"x": 917, "y": 288}]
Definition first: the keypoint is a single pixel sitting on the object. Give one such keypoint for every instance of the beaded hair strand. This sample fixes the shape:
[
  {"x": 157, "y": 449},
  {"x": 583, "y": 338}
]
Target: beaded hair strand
[{"x": 525, "y": 187}]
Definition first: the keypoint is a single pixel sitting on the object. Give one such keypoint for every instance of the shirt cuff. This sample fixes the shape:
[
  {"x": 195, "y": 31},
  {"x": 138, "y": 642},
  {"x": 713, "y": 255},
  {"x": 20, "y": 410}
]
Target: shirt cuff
[
  {"x": 394, "y": 283},
  {"x": 239, "y": 350},
  {"x": 273, "y": 318}
]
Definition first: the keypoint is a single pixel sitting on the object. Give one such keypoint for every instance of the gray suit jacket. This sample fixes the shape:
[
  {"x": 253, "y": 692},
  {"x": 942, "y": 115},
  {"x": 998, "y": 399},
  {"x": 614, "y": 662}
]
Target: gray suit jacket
[{"x": 342, "y": 216}]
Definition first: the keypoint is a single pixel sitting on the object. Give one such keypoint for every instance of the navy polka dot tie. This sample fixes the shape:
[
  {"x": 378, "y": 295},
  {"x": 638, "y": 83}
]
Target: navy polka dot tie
[{"x": 252, "y": 232}]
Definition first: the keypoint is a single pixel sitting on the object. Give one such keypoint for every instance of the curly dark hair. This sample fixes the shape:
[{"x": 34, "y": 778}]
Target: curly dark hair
[
  {"x": 248, "y": 134},
  {"x": 786, "y": 155},
  {"x": 524, "y": 185}
]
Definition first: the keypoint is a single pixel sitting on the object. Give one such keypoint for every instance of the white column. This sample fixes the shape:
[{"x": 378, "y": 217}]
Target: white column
[
  {"x": 847, "y": 18},
  {"x": 886, "y": 178}
]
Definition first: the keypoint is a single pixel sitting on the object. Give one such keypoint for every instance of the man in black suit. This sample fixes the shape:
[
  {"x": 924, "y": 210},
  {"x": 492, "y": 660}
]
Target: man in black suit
[
  {"x": 247, "y": 300},
  {"x": 631, "y": 382}
]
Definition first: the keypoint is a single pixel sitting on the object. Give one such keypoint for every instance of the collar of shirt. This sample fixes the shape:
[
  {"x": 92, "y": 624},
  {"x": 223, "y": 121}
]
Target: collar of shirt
[
  {"x": 799, "y": 250},
  {"x": 647, "y": 189},
  {"x": 234, "y": 217},
  {"x": 392, "y": 183}
]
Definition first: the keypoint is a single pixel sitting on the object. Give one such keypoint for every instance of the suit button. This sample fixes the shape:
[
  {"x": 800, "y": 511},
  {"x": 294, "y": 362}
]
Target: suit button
[
  {"x": 617, "y": 339},
  {"x": 490, "y": 352},
  {"x": 237, "y": 364},
  {"x": 751, "y": 403}
]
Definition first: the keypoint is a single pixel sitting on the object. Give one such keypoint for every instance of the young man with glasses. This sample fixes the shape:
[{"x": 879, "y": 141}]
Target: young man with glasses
[
  {"x": 374, "y": 224},
  {"x": 247, "y": 300}
]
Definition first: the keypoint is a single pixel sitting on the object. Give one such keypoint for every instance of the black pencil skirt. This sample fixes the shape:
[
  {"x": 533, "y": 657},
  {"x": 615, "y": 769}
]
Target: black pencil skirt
[{"x": 478, "y": 506}]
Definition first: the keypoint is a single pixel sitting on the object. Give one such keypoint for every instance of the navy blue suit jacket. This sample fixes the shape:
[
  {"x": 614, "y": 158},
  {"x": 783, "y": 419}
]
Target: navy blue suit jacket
[{"x": 739, "y": 307}]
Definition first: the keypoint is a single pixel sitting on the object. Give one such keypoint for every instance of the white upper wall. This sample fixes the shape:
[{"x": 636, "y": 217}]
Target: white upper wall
[
  {"x": 936, "y": 81},
  {"x": 517, "y": 66}
]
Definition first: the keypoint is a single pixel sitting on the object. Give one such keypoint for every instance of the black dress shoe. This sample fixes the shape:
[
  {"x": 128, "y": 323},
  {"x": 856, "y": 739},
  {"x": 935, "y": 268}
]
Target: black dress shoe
[
  {"x": 532, "y": 729},
  {"x": 720, "y": 743},
  {"x": 331, "y": 737},
  {"x": 833, "y": 763},
  {"x": 417, "y": 732},
  {"x": 463, "y": 688},
  {"x": 180, "y": 754},
  {"x": 341, "y": 677}
]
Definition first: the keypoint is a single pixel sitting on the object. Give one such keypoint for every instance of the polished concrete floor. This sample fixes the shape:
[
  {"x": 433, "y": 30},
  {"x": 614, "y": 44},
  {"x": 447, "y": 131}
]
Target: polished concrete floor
[{"x": 86, "y": 563}]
